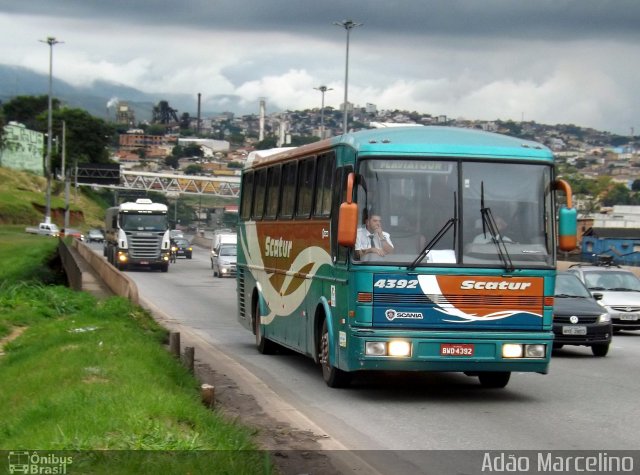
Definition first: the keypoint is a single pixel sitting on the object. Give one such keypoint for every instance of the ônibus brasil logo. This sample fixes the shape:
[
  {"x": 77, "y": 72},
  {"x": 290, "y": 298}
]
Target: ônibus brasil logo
[{"x": 34, "y": 462}]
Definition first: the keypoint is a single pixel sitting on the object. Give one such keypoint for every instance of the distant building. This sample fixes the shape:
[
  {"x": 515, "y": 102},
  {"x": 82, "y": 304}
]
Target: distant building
[
  {"x": 23, "y": 149},
  {"x": 622, "y": 244}
]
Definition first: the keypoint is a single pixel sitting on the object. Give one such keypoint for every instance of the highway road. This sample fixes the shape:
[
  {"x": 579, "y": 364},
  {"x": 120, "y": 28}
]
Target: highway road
[{"x": 584, "y": 403}]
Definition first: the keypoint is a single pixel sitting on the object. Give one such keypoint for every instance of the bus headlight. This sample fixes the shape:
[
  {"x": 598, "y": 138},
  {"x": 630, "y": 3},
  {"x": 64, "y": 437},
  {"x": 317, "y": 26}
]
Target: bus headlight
[
  {"x": 535, "y": 351},
  {"x": 375, "y": 348},
  {"x": 399, "y": 348},
  {"x": 122, "y": 256},
  {"x": 518, "y": 350},
  {"x": 512, "y": 350}
]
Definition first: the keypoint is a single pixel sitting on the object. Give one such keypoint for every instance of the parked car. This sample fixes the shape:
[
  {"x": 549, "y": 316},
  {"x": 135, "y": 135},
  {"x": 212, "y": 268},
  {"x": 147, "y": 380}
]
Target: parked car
[
  {"x": 95, "y": 235},
  {"x": 577, "y": 317},
  {"x": 619, "y": 290},
  {"x": 183, "y": 247},
  {"x": 71, "y": 232},
  {"x": 224, "y": 260}
]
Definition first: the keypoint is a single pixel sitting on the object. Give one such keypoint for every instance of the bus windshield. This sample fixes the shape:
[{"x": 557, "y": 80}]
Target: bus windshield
[
  {"x": 143, "y": 222},
  {"x": 464, "y": 212}
]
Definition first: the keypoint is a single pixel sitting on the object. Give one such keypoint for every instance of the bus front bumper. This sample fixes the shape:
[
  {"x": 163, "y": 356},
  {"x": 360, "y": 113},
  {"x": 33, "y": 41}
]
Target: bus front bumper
[{"x": 389, "y": 350}]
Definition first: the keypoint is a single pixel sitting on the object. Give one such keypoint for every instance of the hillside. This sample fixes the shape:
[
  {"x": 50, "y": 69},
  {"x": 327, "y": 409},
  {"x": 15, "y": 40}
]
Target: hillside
[{"x": 23, "y": 201}]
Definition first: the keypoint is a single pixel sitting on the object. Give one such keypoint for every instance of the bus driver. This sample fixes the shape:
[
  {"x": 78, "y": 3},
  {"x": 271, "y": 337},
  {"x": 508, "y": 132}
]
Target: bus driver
[{"x": 371, "y": 239}]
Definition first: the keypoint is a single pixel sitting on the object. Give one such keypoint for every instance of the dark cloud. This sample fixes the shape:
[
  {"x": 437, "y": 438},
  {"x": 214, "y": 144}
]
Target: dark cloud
[{"x": 527, "y": 19}]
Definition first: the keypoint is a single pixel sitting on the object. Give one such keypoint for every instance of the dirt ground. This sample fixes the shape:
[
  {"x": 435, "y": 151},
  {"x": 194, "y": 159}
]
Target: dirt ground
[{"x": 293, "y": 452}]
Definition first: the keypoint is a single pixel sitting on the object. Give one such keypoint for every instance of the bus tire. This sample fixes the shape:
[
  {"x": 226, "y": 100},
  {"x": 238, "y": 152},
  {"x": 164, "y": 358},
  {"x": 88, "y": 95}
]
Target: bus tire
[
  {"x": 334, "y": 377},
  {"x": 264, "y": 345},
  {"x": 494, "y": 379}
]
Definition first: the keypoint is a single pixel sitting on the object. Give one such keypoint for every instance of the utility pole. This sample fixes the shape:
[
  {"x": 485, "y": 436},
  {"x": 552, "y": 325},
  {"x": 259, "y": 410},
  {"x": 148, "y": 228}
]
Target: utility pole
[
  {"x": 322, "y": 89},
  {"x": 51, "y": 41},
  {"x": 347, "y": 25}
]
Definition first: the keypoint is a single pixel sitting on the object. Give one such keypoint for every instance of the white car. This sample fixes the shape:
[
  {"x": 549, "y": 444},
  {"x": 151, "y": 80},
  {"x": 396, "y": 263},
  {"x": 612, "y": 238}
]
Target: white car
[
  {"x": 620, "y": 291},
  {"x": 223, "y": 260}
]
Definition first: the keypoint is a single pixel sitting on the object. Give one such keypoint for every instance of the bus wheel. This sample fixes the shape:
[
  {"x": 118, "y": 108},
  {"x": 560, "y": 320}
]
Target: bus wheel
[
  {"x": 497, "y": 379},
  {"x": 264, "y": 345},
  {"x": 334, "y": 377}
]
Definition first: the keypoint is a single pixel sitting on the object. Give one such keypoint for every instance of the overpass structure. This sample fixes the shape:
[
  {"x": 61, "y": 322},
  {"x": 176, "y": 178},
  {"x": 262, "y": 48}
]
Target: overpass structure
[{"x": 224, "y": 186}]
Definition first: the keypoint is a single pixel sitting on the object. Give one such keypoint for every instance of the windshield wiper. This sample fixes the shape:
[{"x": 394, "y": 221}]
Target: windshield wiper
[
  {"x": 439, "y": 235},
  {"x": 489, "y": 223},
  {"x": 624, "y": 289}
]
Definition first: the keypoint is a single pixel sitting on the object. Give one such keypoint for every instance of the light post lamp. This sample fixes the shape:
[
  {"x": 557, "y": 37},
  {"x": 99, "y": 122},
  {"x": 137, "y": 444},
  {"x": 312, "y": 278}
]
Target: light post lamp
[
  {"x": 322, "y": 89},
  {"x": 347, "y": 25},
  {"x": 51, "y": 41}
]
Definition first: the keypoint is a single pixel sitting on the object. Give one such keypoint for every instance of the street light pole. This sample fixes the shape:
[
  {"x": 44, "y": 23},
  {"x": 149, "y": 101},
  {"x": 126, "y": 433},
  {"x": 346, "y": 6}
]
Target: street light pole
[
  {"x": 322, "y": 89},
  {"x": 51, "y": 41},
  {"x": 347, "y": 25}
]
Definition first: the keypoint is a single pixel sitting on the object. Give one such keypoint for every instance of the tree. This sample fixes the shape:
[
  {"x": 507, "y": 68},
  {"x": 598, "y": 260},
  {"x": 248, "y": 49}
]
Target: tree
[
  {"x": 28, "y": 109},
  {"x": 172, "y": 161},
  {"x": 616, "y": 195},
  {"x": 267, "y": 143},
  {"x": 635, "y": 186},
  {"x": 193, "y": 169},
  {"x": 87, "y": 137}
]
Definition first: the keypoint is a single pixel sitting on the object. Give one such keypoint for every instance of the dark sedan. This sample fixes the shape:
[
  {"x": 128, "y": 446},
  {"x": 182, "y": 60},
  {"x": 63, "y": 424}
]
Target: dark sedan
[
  {"x": 184, "y": 248},
  {"x": 577, "y": 317}
]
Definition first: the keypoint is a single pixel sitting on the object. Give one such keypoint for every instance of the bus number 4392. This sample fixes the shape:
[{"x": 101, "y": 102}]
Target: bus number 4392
[{"x": 396, "y": 284}]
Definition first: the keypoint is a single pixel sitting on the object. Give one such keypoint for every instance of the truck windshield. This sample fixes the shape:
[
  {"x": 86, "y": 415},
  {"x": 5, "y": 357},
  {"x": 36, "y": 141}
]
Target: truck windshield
[
  {"x": 143, "y": 222},
  {"x": 419, "y": 199}
]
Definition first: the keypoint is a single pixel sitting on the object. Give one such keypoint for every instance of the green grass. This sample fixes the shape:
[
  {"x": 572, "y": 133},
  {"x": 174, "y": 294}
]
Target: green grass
[{"x": 88, "y": 375}]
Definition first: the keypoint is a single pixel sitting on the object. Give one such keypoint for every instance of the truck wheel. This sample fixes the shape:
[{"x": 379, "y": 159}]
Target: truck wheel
[{"x": 164, "y": 267}]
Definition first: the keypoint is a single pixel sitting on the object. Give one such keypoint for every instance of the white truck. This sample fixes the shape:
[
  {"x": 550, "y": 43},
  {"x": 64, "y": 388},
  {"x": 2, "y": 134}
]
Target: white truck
[
  {"x": 46, "y": 229},
  {"x": 137, "y": 234}
]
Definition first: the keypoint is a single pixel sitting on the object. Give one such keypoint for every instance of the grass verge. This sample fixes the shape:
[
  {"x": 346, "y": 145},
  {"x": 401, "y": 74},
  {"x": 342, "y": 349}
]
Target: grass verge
[{"x": 88, "y": 375}]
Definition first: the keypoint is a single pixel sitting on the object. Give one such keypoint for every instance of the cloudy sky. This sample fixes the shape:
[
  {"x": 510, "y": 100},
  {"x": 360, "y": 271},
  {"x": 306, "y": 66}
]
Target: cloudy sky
[{"x": 552, "y": 61}]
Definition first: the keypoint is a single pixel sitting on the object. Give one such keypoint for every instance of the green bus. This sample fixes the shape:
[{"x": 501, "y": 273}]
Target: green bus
[{"x": 405, "y": 249}]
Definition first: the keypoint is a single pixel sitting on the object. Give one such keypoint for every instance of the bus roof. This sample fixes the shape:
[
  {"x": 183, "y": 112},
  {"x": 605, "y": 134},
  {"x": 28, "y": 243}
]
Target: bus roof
[{"x": 427, "y": 141}]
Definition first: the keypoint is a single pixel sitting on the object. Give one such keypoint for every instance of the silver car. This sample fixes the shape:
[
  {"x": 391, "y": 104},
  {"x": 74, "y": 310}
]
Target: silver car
[
  {"x": 224, "y": 260},
  {"x": 620, "y": 291}
]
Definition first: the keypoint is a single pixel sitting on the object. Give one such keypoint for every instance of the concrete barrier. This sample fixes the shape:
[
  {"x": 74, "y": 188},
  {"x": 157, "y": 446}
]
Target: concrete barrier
[
  {"x": 118, "y": 282},
  {"x": 202, "y": 241},
  {"x": 72, "y": 267}
]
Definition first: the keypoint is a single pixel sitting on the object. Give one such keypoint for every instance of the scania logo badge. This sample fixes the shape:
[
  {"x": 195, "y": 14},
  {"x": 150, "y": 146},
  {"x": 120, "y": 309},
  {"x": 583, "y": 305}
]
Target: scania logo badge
[{"x": 573, "y": 319}]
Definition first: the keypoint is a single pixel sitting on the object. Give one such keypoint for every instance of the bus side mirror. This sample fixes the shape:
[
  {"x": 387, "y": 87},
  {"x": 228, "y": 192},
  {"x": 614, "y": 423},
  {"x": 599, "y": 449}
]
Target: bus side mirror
[
  {"x": 568, "y": 229},
  {"x": 348, "y": 217},
  {"x": 567, "y": 221}
]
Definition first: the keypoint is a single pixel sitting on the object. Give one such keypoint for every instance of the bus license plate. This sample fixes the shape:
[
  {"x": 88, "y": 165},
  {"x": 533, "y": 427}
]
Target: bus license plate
[
  {"x": 456, "y": 349},
  {"x": 144, "y": 263},
  {"x": 574, "y": 330}
]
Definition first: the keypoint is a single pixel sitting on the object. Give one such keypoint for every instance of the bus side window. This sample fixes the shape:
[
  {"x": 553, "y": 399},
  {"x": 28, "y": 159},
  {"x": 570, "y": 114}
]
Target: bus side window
[
  {"x": 273, "y": 192},
  {"x": 260, "y": 188},
  {"x": 306, "y": 180},
  {"x": 339, "y": 252},
  {"x": 324, "y": 185},
  {"x": 288, "y": 200},
  {"x": 247, "y": 194}
]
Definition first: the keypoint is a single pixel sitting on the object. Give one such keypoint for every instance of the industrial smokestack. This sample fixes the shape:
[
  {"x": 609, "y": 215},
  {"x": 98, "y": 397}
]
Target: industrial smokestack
[
  {"x": 198, "y": 126},
  {"x": 262, "y": 114}
]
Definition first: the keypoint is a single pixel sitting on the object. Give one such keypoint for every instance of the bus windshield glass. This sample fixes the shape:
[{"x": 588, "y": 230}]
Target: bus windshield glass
[
  {"x": 143, "y": 222},
  {"x": 464, "y": 212}
]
